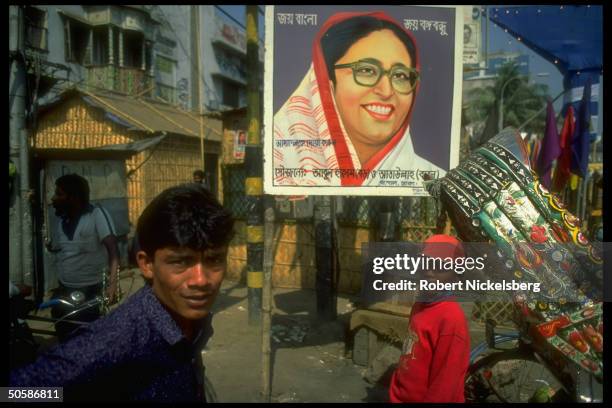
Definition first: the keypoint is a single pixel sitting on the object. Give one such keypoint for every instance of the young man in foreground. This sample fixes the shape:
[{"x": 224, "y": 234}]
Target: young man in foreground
[
  {"x": 148, "y": 349},
  {"x": 435, "y": 355}
]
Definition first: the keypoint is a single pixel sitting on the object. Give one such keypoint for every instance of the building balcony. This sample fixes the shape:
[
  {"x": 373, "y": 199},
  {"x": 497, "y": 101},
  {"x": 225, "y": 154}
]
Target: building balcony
[
  {"x": 231, "y": 75},
  {"x": 128, "y": 81}
]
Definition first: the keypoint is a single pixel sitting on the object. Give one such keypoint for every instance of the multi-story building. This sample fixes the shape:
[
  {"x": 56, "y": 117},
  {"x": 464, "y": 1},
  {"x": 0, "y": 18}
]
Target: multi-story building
[
  {"x": 220, "y": 44},
  {"x": 150, "y": 51},
  {"x": 116, "y": 77},
  {"x": 99, "y": 47}
]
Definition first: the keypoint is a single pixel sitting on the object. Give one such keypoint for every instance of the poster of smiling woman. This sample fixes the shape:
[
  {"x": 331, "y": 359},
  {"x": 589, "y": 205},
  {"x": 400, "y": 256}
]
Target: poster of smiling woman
[{"x": 361, "y": 100}]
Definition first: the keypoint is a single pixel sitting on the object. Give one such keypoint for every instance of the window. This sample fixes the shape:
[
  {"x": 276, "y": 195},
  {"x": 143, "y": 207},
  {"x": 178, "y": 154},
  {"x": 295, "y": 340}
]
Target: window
[
  {"x": 36, "y": 28},
  {"x": 133, "y": 42},
  {"x": 100, "y": 46},
  {"x": 148, "y": 55},
  {"x": 164, "y": 65},
  {"x": 165, "y": 73},
  {"x": 231, "y": 94},
  {"x": 167, "y": 93},
  {"x": 76, "y": 38}
]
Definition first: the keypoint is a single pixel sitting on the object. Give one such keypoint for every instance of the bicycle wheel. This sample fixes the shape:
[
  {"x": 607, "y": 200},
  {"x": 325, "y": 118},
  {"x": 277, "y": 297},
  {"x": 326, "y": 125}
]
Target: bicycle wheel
[{"x": 508, "y": 376}]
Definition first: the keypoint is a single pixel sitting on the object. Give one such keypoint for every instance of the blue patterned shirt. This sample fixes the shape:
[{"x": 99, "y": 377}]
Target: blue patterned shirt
[{"x": 137, "y": 352}]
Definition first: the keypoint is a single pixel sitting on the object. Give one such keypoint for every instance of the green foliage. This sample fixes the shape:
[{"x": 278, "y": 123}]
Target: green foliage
[{"x": 521, "y": 101}]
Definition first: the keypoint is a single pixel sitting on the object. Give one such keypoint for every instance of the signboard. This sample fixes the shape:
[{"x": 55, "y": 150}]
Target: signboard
[
  {"x": 496, "y": 62},
  {"x": 361, "y": 100},
  {"x": 521, "y": 60},
  {"x": 239, "y": 144},
  {"x": 232, "y": 35},
  {"x": 106, "y": 178},
  {"x": 471, "y": 34}
]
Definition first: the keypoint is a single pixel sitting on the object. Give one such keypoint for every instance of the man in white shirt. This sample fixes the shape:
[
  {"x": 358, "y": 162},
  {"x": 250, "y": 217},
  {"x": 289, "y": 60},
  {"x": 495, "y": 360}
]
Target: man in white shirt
[{"x": 86, "y": 248}]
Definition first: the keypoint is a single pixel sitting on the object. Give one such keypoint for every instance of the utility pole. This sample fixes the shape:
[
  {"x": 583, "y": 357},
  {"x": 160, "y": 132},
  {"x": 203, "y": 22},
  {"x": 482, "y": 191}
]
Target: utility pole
[
  {"x": 254, "y": 172},
  {"x": 195, "y": 10},
  {"x": 325, "y": 256},
  {"x": 20, "y": 222},
  {"x": 500, "y": 115},
  {"x": 387, "y": 227},
  {"x": 266, "y": 322}
]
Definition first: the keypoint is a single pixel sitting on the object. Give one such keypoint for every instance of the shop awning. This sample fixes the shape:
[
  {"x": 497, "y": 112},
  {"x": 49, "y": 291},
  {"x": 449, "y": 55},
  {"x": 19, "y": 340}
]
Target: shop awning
[{"x": 570, "y": 35}]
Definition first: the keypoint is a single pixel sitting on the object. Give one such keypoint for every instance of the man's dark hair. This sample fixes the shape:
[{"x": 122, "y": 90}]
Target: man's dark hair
[
  {"x": 184, "y": 216},
  {"x": 199, "y": 173},
  {"x": 74, "y": 186},
  {"x": 340, "y": 37}
]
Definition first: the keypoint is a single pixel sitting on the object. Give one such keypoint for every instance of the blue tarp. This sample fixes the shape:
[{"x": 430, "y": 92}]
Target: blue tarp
[{"x": 572, "y": 35}]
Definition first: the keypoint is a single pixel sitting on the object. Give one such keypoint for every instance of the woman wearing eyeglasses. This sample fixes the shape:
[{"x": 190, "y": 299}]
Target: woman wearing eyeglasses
[{"x": 352, "y": 108}]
